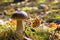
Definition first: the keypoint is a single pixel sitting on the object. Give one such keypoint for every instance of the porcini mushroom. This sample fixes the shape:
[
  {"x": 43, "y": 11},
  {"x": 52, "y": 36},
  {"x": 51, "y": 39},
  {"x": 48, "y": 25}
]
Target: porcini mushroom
[{"x": 20, "y": 16}]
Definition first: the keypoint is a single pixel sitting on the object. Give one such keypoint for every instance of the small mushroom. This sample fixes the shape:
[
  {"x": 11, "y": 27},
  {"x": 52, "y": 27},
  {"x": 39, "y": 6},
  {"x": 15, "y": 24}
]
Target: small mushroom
[
  {"x": 4, "y": 14},
  {"x": 19, "y": 17},
  {"x": 57, "y": 29}
]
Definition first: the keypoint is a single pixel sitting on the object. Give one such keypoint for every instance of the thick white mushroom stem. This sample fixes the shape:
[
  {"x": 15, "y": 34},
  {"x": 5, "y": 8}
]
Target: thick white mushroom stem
[{"x": 19, "y": 28}]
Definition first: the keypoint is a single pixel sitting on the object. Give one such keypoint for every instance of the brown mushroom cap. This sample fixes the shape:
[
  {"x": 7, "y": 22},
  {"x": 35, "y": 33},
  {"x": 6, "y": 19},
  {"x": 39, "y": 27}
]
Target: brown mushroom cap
[{"x": 19, "y": 15}]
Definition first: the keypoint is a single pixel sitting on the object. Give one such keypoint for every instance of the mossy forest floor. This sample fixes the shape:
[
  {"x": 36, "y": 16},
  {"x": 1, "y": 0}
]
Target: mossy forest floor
[{"x": 41, "y": 24}]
